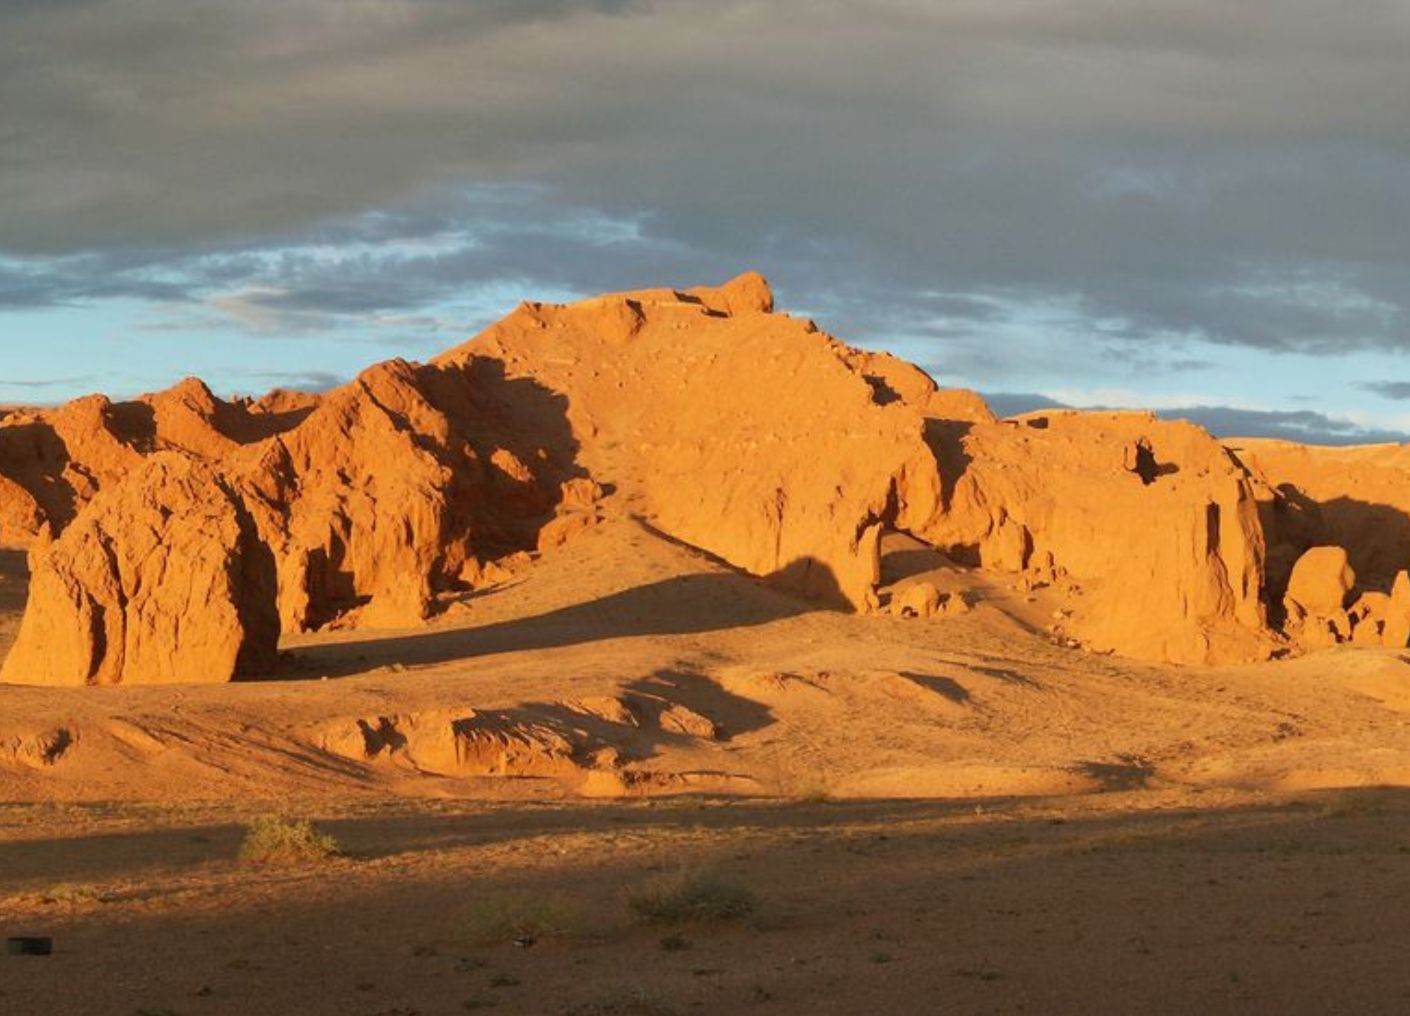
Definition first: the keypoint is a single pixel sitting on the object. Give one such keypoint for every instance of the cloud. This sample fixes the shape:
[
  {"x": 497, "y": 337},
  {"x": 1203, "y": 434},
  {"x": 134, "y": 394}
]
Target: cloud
[
  {"x": 1399, "y": 390},
  {"x": 258, "y": 381},
  {"x": 906, "y": 167},
  {"x": 1302, "y": 425},
  {"x": 48, "y": 382}
]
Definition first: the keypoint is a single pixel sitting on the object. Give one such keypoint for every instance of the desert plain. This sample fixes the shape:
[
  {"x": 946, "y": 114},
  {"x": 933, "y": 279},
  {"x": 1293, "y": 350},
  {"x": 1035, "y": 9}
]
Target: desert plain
[{"x": 661, "y": 653}]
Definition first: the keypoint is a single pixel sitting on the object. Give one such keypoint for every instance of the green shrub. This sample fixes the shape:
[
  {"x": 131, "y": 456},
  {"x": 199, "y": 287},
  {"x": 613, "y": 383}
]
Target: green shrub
[{"x": 275, "y": 840}]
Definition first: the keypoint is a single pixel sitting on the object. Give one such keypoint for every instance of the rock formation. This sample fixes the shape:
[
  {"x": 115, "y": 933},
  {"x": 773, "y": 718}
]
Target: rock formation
[
  {"x": 161, "y": 578},
  {"x": 1315, "y": 602},
  {"x": 399, "y": 486},
  {"x": 183, "y": 529},
  {"x": 748, "y": 434},
  {"x": 53, "y": 462},
  {"x": 1357, "y": 498},
  {"x": 1395, "y": 630},
  {"x": 1152, "y": 522}
]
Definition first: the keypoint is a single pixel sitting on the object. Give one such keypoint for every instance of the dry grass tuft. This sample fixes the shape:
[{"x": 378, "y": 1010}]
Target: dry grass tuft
[
  {"x": 518, "y": 917},
  {"x": 691, "y": 896}
]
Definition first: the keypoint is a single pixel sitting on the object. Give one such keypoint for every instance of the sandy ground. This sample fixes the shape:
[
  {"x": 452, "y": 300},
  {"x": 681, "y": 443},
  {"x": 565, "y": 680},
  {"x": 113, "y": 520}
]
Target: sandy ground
[
  {"x": 1119, "y": 903},
  {"x": 802, "y": 700},
  {"x": 941, "y": 815}
]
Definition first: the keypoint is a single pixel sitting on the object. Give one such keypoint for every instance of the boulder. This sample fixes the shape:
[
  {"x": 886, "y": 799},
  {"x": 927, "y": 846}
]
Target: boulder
[
  {"x": 919, "y": 599},
  {"x": 1314, "y": 604},
  {"x": 1321, "y": 580}
]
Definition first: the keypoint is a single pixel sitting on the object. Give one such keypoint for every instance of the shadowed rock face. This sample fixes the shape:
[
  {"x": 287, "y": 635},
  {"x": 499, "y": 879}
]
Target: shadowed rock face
[
  {"x": 397, "y": 486},
  {"x": 742, "y": 432},
  {"x": 1357, "y": 498},
  {"x": 1340, "y": 516}
]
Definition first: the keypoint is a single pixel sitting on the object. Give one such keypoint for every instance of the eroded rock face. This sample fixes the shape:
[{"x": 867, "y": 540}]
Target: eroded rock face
[
  {"x": 1153, "y": 522},
  {"x": 748, "y": 434},
  {"x": 745, "y": 433},
  {"x": 1354, "y": 498},
  {"x": 54, "y": 461},
  {"x": 160, "y": 578},
  {"x": 401, "y": 485},
  {"x": 366, "y": 503},
  {"x": 1357, "y": 498}
]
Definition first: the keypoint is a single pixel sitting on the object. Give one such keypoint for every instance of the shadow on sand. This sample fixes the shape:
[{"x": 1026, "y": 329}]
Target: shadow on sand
[{"x": 681, "y": 605}]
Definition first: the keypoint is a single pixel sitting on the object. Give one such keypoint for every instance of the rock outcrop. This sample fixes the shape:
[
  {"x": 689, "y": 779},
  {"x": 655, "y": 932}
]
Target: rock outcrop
[
  {"x": 1395, "y": 629},
  {"x": 54, "y": 461},
  {"x": 1357, "y": 498},
  {"x": 1354, "y": 499},
  {"x": 1315, "y": 602},
  {"x": 1151, "y": 522},
  {"x": 748, "y": 434},
  {"x": 751, "y": 435},
  {"x": 161, "y": 578},
  {"x": 400, "y": 486},
  {"x": 1321, "y": 607}
]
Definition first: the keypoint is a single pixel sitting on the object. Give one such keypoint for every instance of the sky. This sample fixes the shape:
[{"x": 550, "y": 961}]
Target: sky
[{"x": 1197, "y": 207}]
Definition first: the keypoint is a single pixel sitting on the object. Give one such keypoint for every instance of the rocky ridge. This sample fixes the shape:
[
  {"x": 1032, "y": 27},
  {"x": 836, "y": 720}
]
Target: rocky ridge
[{"x": 176, "y": 536}]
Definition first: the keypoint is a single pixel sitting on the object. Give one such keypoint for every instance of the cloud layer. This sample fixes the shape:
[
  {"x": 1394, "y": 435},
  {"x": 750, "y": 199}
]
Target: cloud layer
[{"x": 1148, "y": 183}]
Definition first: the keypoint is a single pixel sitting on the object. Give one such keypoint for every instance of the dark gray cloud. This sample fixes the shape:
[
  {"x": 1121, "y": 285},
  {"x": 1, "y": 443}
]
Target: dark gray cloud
[
  {"x": 1302, "y": 425},
  {"x": 1399, "y": 390},
  {"x": 1232, "y": 172}
]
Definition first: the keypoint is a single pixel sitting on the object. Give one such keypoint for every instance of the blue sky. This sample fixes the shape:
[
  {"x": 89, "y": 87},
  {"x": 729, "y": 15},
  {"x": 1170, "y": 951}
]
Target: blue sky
[{"x": 1190, "y": 206}]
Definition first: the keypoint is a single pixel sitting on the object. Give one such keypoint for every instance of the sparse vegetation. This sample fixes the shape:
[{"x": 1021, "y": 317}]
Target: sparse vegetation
[
  {"x": 71, "y": 893},
  {"x": 272, "y": 840},
  {"x": 691, "y": 896},
  {"x": 520, "y": 918},
  {"x": 1356, "y": 804},
  {"x": 633, "y": 1002},
  {"x": 980, "y": 973}
]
